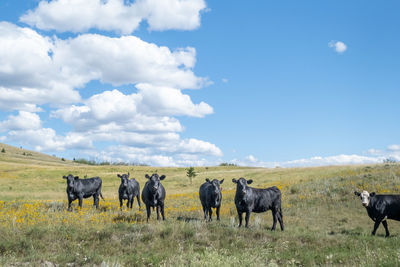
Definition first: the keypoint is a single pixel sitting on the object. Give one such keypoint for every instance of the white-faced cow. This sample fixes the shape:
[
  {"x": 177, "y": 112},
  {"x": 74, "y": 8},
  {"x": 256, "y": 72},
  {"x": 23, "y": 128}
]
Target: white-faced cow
[
  {"x": 211, "y": 197},
  {"x": 83, "y": 188},
  {"x": 153, "y": 195},
  {"x": 248, "y": 199},
  {"x": 128, "y": 189},
  {"x": 380, "y": 208}
]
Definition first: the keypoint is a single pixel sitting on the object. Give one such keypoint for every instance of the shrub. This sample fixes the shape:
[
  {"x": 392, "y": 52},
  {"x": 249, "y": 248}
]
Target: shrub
[{"x": 190, "y": 173}]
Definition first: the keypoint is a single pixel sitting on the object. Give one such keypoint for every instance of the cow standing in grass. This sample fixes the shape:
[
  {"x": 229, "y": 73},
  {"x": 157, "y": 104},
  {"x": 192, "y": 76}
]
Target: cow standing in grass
[
  {"x": 83, "y": 188},
  {"x": 380, "y": 208},
  {"x": 153, "y": 195},
  {"x": 128, "y": 189},
  {"x": 211, "y": 197},
  {"x": 248, "y": 199}
]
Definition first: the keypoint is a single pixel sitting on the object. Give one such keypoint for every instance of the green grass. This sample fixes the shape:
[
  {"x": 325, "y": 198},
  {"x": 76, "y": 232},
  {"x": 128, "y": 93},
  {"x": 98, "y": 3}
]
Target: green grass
[{"x": 325, "y": 223}]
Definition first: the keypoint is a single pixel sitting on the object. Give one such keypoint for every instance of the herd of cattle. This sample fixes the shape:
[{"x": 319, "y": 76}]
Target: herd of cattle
[{"x": 247, "y": 199}]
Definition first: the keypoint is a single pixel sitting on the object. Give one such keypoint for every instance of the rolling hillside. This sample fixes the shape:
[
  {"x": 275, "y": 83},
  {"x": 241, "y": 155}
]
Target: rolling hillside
[{"x": 325, "y": 223}]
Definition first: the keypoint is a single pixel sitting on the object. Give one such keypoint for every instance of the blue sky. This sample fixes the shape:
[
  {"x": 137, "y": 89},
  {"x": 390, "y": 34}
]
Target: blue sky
[{"x": 269, "y": 83}]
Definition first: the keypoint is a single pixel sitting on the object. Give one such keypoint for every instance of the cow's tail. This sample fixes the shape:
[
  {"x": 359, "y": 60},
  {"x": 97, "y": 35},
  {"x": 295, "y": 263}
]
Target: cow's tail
[{"x": 101, "y": 196}]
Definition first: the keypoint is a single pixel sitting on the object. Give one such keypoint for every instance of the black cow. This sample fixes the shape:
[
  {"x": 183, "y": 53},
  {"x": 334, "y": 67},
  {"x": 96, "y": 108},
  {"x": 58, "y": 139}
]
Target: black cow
[
  {"x": 83, "y": 188},
  {"x": 128, "y": 189},
  {"x": 248, "y": 199},
  {"x": 211, "y": 197},
  {"x": 380, "y": 208},
  {"x": 153, "y": 195}
]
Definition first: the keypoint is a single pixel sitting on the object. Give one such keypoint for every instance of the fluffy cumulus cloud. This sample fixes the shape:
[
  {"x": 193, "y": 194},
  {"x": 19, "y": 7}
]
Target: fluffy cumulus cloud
[
  {"x": 42, "y": 74},
  {"x": 129, "y": 121},
  {"x": 138, "y": 112},
  {"x": 126, "y": 60},
  {"x": 28, "y": 75},
  {"x": 115, "y": 15},
  {"x": 158, "y": 100},
  {"x": 39, "y": 70},
  {"x": 338, "y": 46},
  {"x": 23, "y": 121},
  {"x": 119, "y": 119}
]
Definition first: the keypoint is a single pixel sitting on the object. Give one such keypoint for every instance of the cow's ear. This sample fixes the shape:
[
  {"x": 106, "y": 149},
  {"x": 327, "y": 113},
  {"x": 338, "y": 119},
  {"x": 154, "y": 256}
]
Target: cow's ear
[
  {"x": 357, "y": 193},
  {"x": 162, "y": 177},
  {"x": 119, "y": 175},
  {"x": 234, "y": 181},
  {"x": 76, "y": 177},
  {"x": 208, "y": 180},
  {"x": 249, "y": 181},
  {"x": 129, "y": 174},
  {"x": 65, "y": 177},
  {"x": 221, "y": 181},
  {"x": 372, "y": 194},
  {"x": 147, "y": 176}
]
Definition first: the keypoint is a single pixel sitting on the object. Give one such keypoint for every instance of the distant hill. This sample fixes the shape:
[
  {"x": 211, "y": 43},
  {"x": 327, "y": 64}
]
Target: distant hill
[{"x": 20, "y": 155}]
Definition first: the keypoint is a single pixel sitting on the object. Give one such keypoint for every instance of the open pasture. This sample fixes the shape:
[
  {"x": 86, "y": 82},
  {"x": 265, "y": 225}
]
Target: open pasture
[{"x": 325, "y": 223}]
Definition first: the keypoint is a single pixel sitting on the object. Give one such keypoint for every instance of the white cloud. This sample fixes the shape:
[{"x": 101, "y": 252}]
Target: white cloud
[
  {"x": 195, "y": 146},
  {"x": 141, "y": 121},
  {"x": 339, "y": 46},
  {"x": 394, "y": 148},
  {"x": 313, "y": 161},
  {"x": 126, "y": 60},
  {"x": 251, "y": 158},
  {"x": 23, "y": 121},
  {"x": 26, "y": 129},
  {"x": 37, "y": 70},
  {"x": 147, "y": 110},
  {"x": 158, "y": 100},
  {"x": 28, "y": 76},
  {"x": 115, "y": 15}
]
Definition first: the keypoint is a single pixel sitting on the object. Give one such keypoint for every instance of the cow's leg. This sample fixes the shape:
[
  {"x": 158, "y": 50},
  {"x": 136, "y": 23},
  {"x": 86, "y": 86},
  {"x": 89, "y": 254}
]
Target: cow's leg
[
  {"x": 69, "y": 204},
  {"x": 209, "y": 214},
  {"x": 275, "y": 218},
  {"x": 376, "y": 225},
  {"x": 120, "y": 203},
  {"x": 127, "y": 202},
  {"x": 240, "y": 218},
  {"x": 148, "y": 212},
  {"x": 386, "y": 227},
  {"x": 138, "y": 200},
  {"x": 80, "y": 201},
  {"x": 280, "y": 219},
  {"x": 162, "y": 211},
  {"x": 247, "y": 218},
  {"x": 96, "y": 200},
  {"x": 217, "y": 211},
  {"x": 158, "y": 212},
  {"x": 205, "y": 213}
]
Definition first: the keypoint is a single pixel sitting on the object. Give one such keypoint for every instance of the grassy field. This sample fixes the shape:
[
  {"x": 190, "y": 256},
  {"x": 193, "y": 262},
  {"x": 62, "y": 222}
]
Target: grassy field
[{"x": 325, "y": 223}]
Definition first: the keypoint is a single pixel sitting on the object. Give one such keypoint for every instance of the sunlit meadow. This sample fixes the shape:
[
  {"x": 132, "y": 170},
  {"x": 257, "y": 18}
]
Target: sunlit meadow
[{"x": 325, "y": 223}]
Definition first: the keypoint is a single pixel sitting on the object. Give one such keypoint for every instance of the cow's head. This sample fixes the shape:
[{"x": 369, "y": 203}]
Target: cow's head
[
  {"x": 365, "y": 197},
  {"x": 124, "y": 179},
  {"x": 216, "y": 185},
  {"x": 71, "y": 180},
  {"x": 154, "y": 181},
  {"x": 241, "y": 185}
]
